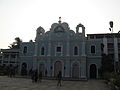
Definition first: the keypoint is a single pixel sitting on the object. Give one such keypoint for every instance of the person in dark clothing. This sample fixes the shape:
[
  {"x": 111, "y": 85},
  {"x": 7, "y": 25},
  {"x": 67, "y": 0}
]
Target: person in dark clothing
[
  {"x": 30, "y": 72},
  {"x": 36, "y": 76},
  {"x": 59, "y": 76},
  {"x": 46, "y": 73},
  {"x": 40, "y": 76},
  {"x": 13, "y": 72},
  {"x": 33, "y": 76}
]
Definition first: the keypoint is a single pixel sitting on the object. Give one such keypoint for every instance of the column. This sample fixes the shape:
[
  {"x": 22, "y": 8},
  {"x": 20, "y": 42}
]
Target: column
[
  {"x": 48, "y": 67},
  {"x": 49, "y": 48},
  {"x": 83, "y": 58},
  {"x": 116, "y": 61},
  {"x": 2, "y": 58},
  {"x": 116, "y": 49},
  {"x": 83, "y": 40},
  {"x": 83, "y": 68},
  {"x": 68, "y": 45},
  {"x": 36, "y": 47},
  {"x": 83, "y": 47},
  {"x": 9, "y": 58},
  {"x": 105, "y": 45},
  {"x": 49, "y": 45},
  {"x": 35, "y": 62},
  {"x": 67, "y": 68}
]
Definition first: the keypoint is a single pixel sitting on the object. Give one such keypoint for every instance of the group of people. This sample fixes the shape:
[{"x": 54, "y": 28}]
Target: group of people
[
  {"x": 9, "y": 70},
  {"x": 35, "y": 77},
  {"x": 38, "y": 77}
]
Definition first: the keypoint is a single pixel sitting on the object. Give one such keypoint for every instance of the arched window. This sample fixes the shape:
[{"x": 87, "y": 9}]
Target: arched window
[
  {"x": 42, "y": 51},
  {"x": 75, "y": 50},
  {"x": 92, "y": 49},
  {"x": 58, "y": 49},
  {"x": 25, "y": 50}
]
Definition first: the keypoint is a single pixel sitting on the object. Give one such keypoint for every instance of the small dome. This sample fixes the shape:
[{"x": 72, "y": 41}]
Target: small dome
[
  {"x": 72, "y": 32},
  {"x": 40, "y": 30},
  {"x": 64, "y": 26}
]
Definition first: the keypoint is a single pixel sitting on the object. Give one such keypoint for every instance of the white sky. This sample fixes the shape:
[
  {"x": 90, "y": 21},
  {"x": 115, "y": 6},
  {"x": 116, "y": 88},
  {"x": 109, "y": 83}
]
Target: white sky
[{"x": 21, "y": 18}]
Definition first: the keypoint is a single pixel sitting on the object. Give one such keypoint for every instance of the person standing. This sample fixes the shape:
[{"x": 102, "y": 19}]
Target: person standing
[
  {"x": 40, "y": 76},
  {"x": 36, "y": 76},
  {"x": 59, "y": 76},
  {"x": 33, "y": 76}
]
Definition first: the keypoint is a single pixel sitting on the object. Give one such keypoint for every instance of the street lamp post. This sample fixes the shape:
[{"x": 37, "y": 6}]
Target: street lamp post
[
  {"x": 111, "y": 29},
  {"x": 111, "y": 26},
  {"x": 115, "y": 62}
]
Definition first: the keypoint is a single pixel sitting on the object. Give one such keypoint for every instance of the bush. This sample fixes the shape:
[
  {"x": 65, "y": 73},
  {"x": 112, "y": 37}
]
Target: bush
[
  {"x": 115, "y": 79},
  {"x": 3, "y": 71},
  {"x": 106, "y": 76}
]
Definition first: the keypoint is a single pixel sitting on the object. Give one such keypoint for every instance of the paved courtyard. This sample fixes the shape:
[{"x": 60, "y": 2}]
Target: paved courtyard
[{"x": 26, "y": 84}]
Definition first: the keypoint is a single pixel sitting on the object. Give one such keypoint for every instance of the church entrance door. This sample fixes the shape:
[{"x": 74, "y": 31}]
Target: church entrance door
[
  {"x": 93, "y": 71},
  {"x": 24, "y": 69},
  {"x": 75, "y": 70},
  {"x": 42, "y": 69},
  {"x": 57, "y": 68}
]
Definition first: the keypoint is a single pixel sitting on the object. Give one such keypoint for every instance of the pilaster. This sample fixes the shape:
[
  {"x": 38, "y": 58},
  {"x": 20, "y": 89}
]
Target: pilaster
[
  {"x": 49, "y": 45},
  {"x": 68, "y": 45},
  {"x": 83, "y": 68},
  {"x": 116, "y": 49},
  {"x": 67, "y": 68},
  {"x": 83, "y": 47},
  {"x": 36, "y": 47},
  {"x": 105, "y": 45}
]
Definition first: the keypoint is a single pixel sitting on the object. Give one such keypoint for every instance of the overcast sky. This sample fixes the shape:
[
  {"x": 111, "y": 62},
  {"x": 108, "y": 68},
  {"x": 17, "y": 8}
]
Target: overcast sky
[{"x": 21, "y": 18}]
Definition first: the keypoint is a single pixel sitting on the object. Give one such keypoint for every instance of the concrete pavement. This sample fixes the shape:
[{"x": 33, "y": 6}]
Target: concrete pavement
[{"x": 7, "y": 83}]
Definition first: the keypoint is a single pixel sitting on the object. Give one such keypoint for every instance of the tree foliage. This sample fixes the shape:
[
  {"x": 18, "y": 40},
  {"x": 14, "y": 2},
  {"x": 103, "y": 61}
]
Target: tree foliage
[
  {"x": 107, "y": 63},
  {"x": 16, "y": 44}
]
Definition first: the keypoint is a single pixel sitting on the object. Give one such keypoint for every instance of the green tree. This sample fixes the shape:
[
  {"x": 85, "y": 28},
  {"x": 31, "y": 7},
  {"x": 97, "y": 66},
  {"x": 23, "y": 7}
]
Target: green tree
[
  {"x": 107, "y": 64},
  {"x": 16, "y": 44}
]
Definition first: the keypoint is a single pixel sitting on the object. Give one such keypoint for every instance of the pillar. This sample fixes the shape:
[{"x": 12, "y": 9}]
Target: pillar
[
  {"x": 35, "y": 62},
  {"x": 83, "y": 68},
  {"x": 83, "y": 47},
  {"x": 105, "y": 51},
  {"x": 67, "y": 68},
  {"x": 116, "y": 49}
]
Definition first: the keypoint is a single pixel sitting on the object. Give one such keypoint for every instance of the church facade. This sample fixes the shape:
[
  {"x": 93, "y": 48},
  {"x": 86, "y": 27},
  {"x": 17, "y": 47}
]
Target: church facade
[{"x": 62, "y": 49}]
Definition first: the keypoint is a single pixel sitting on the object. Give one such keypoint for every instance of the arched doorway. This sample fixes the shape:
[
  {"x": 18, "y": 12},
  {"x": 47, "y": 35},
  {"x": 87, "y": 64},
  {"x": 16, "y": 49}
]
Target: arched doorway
[
  {"x": 42, "y": 69},
  {"x": 75, "y": 70},
  {"x": 93, "y": 71},
  {"x": 24, "y": 69},
  {"x": 57, "y": 68}
]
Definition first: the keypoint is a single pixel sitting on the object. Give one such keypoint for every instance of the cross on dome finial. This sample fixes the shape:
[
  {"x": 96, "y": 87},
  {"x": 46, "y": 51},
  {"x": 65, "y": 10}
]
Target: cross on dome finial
[{"x": 59, "y": 20}]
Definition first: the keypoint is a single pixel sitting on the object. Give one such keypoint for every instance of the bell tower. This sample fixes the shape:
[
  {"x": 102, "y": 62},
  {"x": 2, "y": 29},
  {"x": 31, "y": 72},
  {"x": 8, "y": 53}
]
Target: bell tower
[{"x": 39, "y": 32}]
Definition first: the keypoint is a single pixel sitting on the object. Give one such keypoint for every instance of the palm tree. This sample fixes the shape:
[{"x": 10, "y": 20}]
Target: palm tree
[{"x": 16, "y": 44}]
